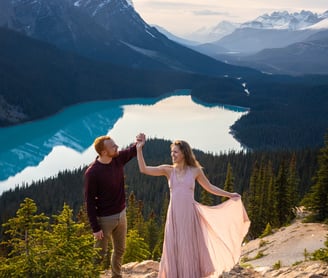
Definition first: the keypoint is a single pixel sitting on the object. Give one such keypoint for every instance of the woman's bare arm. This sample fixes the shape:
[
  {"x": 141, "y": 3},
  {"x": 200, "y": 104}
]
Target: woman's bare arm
[
  {"x": 205, "y": 183},
  {"x": 161, "y": 170}
]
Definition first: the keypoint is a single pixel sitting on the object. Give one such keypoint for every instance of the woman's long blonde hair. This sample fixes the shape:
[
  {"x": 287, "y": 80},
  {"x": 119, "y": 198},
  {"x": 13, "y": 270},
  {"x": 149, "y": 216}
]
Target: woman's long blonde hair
[{"x": 188, "y": 154}]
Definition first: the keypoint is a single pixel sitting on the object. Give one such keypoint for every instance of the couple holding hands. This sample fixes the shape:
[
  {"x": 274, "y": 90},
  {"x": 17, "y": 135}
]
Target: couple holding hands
[{"x": 199, "y": 241}]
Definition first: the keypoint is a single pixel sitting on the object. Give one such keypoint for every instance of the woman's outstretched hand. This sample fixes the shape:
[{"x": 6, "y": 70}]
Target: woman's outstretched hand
[{"x": 235, "y": 195}]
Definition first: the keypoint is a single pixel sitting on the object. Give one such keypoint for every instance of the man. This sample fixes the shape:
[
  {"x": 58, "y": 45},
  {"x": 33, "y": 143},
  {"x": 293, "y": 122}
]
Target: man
[{"x": 105, "y": 197}]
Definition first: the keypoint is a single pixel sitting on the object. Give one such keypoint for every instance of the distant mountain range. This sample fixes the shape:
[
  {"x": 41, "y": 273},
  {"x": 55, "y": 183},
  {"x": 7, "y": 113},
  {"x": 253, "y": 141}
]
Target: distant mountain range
[
  {"x": 282, "y": 42},
  {"x": 278, "y": 20},
  {"x": 310, "y": 56}
]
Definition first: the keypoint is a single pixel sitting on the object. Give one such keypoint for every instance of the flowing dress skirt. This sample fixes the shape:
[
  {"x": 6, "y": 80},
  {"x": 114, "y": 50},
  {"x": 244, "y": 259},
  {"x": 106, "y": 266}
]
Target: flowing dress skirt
[{"x": 200, "y": 241}]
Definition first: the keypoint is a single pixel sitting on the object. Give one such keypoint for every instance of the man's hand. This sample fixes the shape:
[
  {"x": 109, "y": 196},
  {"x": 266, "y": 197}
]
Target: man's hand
[
  {"x": 141, "y": 140},
  {"x": 98, "y": 235}
]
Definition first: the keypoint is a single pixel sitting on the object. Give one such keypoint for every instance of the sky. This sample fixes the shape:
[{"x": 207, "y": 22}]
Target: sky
[{"x": 186, "y": 16}]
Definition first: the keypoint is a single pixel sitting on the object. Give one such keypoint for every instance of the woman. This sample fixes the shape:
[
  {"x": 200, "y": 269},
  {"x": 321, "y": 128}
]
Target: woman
[{"x": 199, "y": 241}]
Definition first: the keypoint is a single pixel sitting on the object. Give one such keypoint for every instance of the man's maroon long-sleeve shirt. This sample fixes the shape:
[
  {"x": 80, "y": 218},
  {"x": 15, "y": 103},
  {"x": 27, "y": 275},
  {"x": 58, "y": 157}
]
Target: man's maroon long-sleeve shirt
[{"x": 104, "y": 187}]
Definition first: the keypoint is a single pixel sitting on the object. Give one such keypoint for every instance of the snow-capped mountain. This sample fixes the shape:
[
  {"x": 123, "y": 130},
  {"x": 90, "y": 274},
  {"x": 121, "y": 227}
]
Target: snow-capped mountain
[
  {"x": 119, "y": 18},
  {"x": 323, "y": 24},
  {"x": 279, "y": 29},
  {"x": 278, "y": 20},
  {"x": 282, "y": 42},
  {"x": 210, "y": 34},
  {"x": 285, "y": 20},
  {"x": 105, "y": 30}
]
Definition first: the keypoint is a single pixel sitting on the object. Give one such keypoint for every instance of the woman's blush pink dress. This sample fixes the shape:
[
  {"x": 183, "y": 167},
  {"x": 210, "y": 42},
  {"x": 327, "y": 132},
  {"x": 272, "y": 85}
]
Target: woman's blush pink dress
[{"x": 200, "y": 241}]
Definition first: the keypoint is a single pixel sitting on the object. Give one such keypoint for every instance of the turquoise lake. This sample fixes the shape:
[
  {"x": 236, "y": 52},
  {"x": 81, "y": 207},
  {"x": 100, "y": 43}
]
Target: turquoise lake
[{"x": 40, "y": 149}]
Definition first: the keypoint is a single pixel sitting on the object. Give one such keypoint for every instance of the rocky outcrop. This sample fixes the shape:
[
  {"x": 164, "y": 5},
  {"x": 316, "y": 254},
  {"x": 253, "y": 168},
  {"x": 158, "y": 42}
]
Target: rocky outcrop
[
  {"x": 10, "y": 113},
  {"x": 145, "y": 269},
  {"x": 286, "y": 247},
  {"x": 285, "y": 254},
  {"x": 308, "y": 269}
]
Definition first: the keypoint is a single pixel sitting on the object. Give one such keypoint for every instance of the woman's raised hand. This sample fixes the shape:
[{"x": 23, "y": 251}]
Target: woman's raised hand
[{"x": 141, "y": 140}]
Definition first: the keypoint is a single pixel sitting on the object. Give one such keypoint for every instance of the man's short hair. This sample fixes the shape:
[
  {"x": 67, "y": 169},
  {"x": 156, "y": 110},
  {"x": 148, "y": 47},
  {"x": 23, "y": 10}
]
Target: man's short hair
[{"x": 99, "y": 143}]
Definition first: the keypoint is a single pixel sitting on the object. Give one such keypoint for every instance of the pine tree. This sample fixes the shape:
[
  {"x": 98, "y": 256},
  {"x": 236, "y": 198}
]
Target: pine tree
[
  {"x": 25, "y": 231},
  {"x": 229, "y": 181},
  {"x": 252, "y": 201},
  {"x": 293, "y": 182},
  {"x": 157, "y": 253},
  {"x": 137, "y": 249},
  {"x": 282, "y": 202},
  {"x": 140, "y": 225},
  {"x": 132, "y": 211},
  {"x": 152, "y": 232},
  {"x": 70, "y": 251},
  {"x": 82, "y": 217},
  {"x": 270, "y": 181},
  {"x": 317, "y": 200},
  {"x": 39, "y": 249},
  {"x": 261, "y": 196},
  {"x": 206, "y": 198}
]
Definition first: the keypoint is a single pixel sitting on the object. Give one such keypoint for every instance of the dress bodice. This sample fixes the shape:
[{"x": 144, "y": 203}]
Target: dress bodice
[{"x": 182, "y": 184}]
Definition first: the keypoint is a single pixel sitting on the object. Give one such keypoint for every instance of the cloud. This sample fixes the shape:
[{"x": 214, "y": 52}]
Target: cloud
[
  {"x": 170, "y": 5},
  {"x": 208, "y": 12}
]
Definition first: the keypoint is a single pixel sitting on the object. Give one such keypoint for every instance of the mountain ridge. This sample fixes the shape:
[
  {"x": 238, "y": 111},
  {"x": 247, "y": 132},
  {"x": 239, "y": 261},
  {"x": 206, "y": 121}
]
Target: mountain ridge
[
  {"x": 109, "y": 31},
  {"x": 44, "y": 76},
  {"x": 279, "y": 43},
  {"x": 276, "y": 20},
  {"x": 308, "y": 56}
]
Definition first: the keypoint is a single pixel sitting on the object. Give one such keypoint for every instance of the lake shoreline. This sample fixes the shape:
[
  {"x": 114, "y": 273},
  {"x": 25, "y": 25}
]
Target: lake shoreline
[{"x": 70, "y": 133}]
